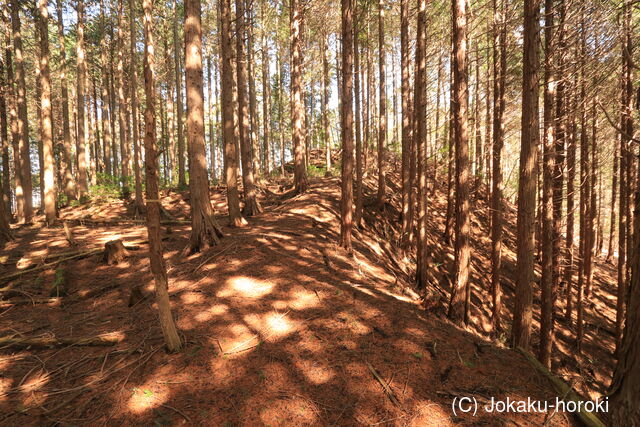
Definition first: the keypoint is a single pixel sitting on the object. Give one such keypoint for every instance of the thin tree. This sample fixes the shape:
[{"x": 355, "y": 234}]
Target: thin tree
[
  {"x": 546, "y": 284},
  {"x": 205, "y": 230},
  {"x": 407, "y": 220},
  {"x": 133, "y": 76},
  {"x": 420, "y": 127},
  {"x": 83, "y": 182},
  {"x": 69, "y": 184},
  {"x": 346, "y": 117},
  {"x": 46, "y": 121},
  {"x": 382, "y": 118},
  {"x": 461, "y": 291},
  {"x": 266, "y": 91},
  {"x": 177, "y": 48},
  {"x": 522, "y": 314},
  {"x": 24, "y": 192},
  {"x": 297, "y": 107},
  {"x": 326, "y": 82},
  {"x": 499, "y": 83},
  {"x": 251, "y": 204},
  {"x": 156, "y": 259},
  {"x": 230, "y": 152},
  {"x": 122, "y": 110}
]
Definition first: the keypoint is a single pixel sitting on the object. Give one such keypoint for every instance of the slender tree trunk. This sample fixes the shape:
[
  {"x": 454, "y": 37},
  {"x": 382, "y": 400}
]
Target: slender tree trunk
[
  {"x": 122, "y": 110},
  {"x": 205, "y": 230},
  {"x": 420, "y": 128},
  {"x": 522, "y": 316},
  {"x": 407, "y": 127},
  {"x": 461, "y": 291},
  {"x": 4, "y": 142},
  {"x": 230, "y": 153},
  {"x": 69, "y": 184},
  {"x": 297, "y": 107},
  {"x": 106, "y": 105},
  {"x": 281, "y": 113},
  {"x": 251, "y": 81},
  {"x": 499, "y": 83},
  {"x": 83, "y": 183},
  {"x": 346, "y": 203},
  {"x": 177, "y": 48},
  {"x": 266, "y": 92},
  {"x": 158, "y": 268},
  {"x": 546, "y": 284},
  {"x": 356, "y": 77},
  {"x": 15, "y": 135},
  {"x": 133, "y": 76},
  {"x": 46, "y": 121},
  {"x": 251, "y": 205},
  {"x": 571, "y": 176},
  {"x": 614, "y": 194},
  {"x": 382, "y": 118},
  {"x": 26, "y": 193},
  {"x": 325, "y": 100},
  {"x": 212, "y": 137}
]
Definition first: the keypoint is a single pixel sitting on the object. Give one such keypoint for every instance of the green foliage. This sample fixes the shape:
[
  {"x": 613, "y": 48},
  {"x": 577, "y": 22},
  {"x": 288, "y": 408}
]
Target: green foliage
[
  {"x": 314, "y": 171},
  {"x": 107, "y": 188}
]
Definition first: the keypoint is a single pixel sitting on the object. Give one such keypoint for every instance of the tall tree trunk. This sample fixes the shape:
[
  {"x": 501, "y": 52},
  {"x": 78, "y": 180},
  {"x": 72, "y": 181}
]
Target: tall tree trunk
[
  {"x": 205, "y": 230},
  {"x": 358, "y": 133},
  {"x": 420, "y": 128},
  {"x": 346, "y": 203},
  {"x": 46, "y": 121},
  {"x": 461, "y": 291},
  {"x": 122, "y": 110},
  {"x": 25, "y": 193},
  {"x": 547, "y": 282},
  {"x": 407, "y": 127},
  {"x": 83, "y": 183},
  {"x": 106, "y": 104},
  {"x": 14, "y": 126},
  {"x": 251, "y": 82},
  {"x": 251, "y": 205},
  {"x": 69, "y": 184},
  {"x": 177, "y": 48},
  {"x": 230, "y": 153},
  {"x": 326, "y": 82},
  {"x": 158, "y": 268},
  {"x": 133, "y": 76},
  {"x": 266, "y": 92},
  {"x": 212, "y": 136},
  {"x": 4, "y": 142},
  {"x": 382, "y": 118},
  {"x": 614, "y": 194},
  {"x": 571, "y": 176},
  {"x": 297, "y": 107},
  {"x": 499, "y": 83},
  {"x": 522, "y": 316},
  {"x": 346, "y": 116}
]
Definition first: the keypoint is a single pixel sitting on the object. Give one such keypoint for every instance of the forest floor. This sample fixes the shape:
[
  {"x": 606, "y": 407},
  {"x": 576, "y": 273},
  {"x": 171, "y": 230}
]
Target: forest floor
[{"x": 282, "y": 327}]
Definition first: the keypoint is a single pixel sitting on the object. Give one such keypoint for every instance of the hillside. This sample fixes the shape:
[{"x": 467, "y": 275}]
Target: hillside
[{"x": 282, "y": 327}]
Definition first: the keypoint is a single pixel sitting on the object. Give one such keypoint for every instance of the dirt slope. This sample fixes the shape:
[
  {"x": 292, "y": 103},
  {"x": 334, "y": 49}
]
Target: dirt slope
[{"x": 282, "y": 327}]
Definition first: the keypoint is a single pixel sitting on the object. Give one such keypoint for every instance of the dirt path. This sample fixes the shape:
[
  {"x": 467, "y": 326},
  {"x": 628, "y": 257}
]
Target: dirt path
[{"x": 282, "y": 328}]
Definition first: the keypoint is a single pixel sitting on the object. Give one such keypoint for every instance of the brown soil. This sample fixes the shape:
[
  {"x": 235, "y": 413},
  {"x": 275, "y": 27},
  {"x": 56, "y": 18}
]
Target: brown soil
[{"x": 281, "y": 326}]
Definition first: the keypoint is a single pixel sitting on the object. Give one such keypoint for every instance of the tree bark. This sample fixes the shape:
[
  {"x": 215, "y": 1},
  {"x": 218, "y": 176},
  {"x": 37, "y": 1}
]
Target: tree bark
[
  {"x": 83, "y": 183},
  {"x": 346, "y": 116},
  {"x": 297, "y": 107},
  {"x": 122, "y": 110},
  {"x": 266, "y": 92},
  {"x": 357, "y": 122},
  {"x": 382, "y": 118},
  {"x": 522, "y": 316},
  {"x": 158, "y": 268},
  {"x": 177, "y": 48},
  {"x": 420, "y": 128},
  {"x": 69, "y": 184},
  {"x": 230, "y": 153},
  {"x": 251, "y": 205},
  {"x": 461, "y": 291},
  {"x": 24, "y": 193},
  {"x": 326, "y": 82},
  {"x": 46, "y": 120},
  {"x": 407, "y": 127},
  {"x": 133, "y": 75},
  {"x": 205, "y": 230}
]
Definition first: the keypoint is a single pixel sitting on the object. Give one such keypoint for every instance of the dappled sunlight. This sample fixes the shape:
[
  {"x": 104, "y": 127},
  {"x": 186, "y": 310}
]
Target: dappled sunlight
[
  {"x": 245, "y": 287},
  {"x": 145, "y": 397},
  {"x": 430, "y": 413}
]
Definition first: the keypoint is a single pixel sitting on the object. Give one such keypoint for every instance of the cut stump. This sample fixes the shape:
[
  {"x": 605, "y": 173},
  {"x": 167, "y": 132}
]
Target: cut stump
[{"x": 114, "y": 252}]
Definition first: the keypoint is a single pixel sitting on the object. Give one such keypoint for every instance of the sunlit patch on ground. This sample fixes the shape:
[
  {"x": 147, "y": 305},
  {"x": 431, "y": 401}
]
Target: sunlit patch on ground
[{"x": 246, "y": 287}]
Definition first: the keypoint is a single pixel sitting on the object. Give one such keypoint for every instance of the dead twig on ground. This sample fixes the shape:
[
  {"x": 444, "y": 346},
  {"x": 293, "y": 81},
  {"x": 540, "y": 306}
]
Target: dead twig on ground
[{"x": 383, "y": 383}]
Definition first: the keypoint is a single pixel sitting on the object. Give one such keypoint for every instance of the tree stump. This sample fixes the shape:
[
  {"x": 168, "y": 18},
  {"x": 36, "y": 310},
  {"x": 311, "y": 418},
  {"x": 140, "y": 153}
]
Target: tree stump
[{"x": 114, "y": 252}]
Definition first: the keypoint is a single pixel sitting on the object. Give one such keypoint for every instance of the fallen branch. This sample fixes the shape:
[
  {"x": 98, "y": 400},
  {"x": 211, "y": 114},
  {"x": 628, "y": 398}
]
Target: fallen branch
[
  {"x": 34, "y": 301},
  {"x": 46, "y": 342},
  {"x": 588, "y": 418},
  {"x": 78, "y": 255},
  {"x": 385, "y": 386}
]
